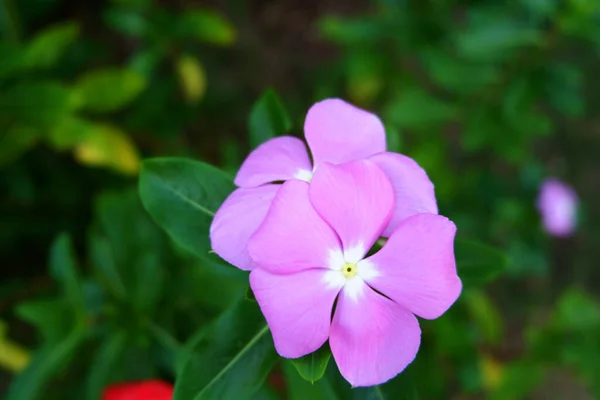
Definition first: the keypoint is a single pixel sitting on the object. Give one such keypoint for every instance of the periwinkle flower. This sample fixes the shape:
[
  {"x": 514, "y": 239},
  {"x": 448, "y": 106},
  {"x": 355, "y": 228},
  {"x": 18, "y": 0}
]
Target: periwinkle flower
[
  {"x": 558, "y": 203},
  {"x": 312, "y": 249},
  {"x": 336, "y": 133}
]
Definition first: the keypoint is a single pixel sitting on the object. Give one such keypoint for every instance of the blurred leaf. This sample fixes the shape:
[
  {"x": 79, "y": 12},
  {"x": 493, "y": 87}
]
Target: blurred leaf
[
  {"x": 13, "y": 58},
  {"x": 577, "y": 311},
  {"x": 63, "y": 267},
  {"x": 13, "y": 357},
  {"x": 182, "y": 196},
  {"x": 351, "y": 32},
  {"x": 38, "y": 103},
  {"x": 47, "y": 47},
  {"x": 68, "y": 132},
  {"x": 108, "y": 89},
  {"x": 104, "y": 264},
  {"x": 126, "y": 21},
  {"x": 50, "y": 317},
  {"x": 268, "y": 119},
  {"x": 48, "y": 362},
  {"x": 365, "y": 77},
  {"x": 490, "y": 35},
  {"x": 417, "y": 109},
  {"x": 16, "y": 141},
  {"x": 206, "y": 25},
  {"x": 191, "y": 77},
  {"x": 312, "y": 366},
  {"x": 299, "y": 389},
  {"x": 477, "y": 263},
  {"x": 105, "y": 362},
  {"x": 150, "y": 280},
  {"x": 486, "y": 316},
  {"x": 564, "y": 89},
  {"x": 231, "y": 359},
  {"x": 107, "y": 146},
  {"x": 518, "y": 381}
]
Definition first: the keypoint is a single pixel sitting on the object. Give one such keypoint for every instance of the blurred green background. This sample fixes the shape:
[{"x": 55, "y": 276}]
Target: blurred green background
[{"x": 490, "y": 97}]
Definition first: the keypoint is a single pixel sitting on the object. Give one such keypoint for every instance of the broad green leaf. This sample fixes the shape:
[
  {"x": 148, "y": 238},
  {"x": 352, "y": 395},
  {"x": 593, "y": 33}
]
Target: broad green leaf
[
  {"x": 268, "y": 119},
  {"x": 206, "y": 25},
  {"x": 104, "y": 363},
  {"x": 108, "y": 89},
  {"x": 47, "y": 363},
  {"x": 63, "y": 267},
  {"x": 126, "y": 21},
  {"x": 41, "y": 103},
  {"x": 312, "y": 366},
  {"x": 477, "y": 263},
  {"x": 69, "y": 131},
  {"x": 107, "y": 146},
  {"x": 182, "y": 196},
  {"x": 104, "y": 265},
  {"x": 191, "y": 77},
  {"x": 577, "y": 311},
  {"x": 48, "y": 46},
  {"x": 300, "y": 389},
  {"x": 230, "y": 359}
]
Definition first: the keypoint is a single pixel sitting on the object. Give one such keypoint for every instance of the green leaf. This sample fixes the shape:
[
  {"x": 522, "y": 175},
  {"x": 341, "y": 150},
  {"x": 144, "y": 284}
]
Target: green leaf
[
  {"x": 268, "y": 119},
  {"x": 300, "y": 389},
  {"x": 312, "y": 366},
  {"x": 47, "y": 363},
  {"x": 63, "y": 268},
  {"x": 17, "y": 141},
  {"x": 230, "y": 359},
  {"x": 182, "y": 196},
  {"x": 107, "y": 358},
  {"x": 478, "y": 263},
  {"x": 42, "y": 103},
  {"x": 108, "y": 89},
  {"x": 519, "y": 380},
  {"x": 50, "y": 317},
  {"x": 417, "y": 109},
  {"x": 576, "y": 311},
  {"x": 46, "y": 49},
  {"x": 206, "y": 25}
]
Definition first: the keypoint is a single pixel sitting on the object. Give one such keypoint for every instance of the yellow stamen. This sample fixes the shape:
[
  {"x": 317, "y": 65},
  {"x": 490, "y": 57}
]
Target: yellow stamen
[{"x": 349, "y": 270}]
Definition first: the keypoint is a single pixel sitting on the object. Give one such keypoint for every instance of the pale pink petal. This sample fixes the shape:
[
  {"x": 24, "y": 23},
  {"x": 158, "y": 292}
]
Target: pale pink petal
[
  {"x": 372, "y": 338},
  {"x": 293, "y": 237},
  {"x": 278, "y": 159},
  {"x": 416, "y": 267},
  {"x": 412, "y": 188},
  {"x": 338, "y": 132},
  {"x": 357, "y": 200},
  {"x": 297, "y": 308},
  {"x": 558, "y": 204},
  {"x": 236, "y": 220}
]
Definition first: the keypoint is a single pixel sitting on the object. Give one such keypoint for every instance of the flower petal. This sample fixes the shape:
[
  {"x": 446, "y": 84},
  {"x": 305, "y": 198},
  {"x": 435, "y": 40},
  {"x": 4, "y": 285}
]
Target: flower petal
[
  {"x": 297, "y": 308},
  {"x": 413, "y": 190},
  {"x": 293, "y": 236},
  {"x": 416, "y": 267},
  {"x": 236, "y": 220},
  {"x": 278, "y": 159},
  {"x": 338, "y": 132},
  {"x": 357, "y": 200},
  {"x": 372, "y": 338},
  {"x": 558, "y": 203}
]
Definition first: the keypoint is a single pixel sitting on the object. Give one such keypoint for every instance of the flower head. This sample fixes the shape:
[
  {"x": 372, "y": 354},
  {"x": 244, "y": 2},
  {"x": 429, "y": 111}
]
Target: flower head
[
  {"x": 336, "y": 133},
  {"x": 312, "y": 249},
  {"x": 558, "y": 203},
  {"x": 146, "y": 390}
]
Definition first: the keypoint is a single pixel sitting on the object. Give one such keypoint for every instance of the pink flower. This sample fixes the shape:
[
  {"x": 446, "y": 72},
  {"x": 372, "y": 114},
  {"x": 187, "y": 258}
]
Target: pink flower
[
  {"x": 557, "y": 203},
  {"x": 311, "y": 250},
  {"x": 336, "y": 132}
]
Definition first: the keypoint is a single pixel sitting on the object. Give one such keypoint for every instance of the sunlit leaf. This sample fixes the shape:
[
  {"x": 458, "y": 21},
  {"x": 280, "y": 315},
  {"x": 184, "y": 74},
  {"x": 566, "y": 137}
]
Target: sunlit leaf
[
  {"x": 312, "y": 366},
  {"x": 191, "y": 77},
  {"x": 108, "y": 89},
  {"x": 107, "y": 146},
  {"x": 208, "y": 26}
]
